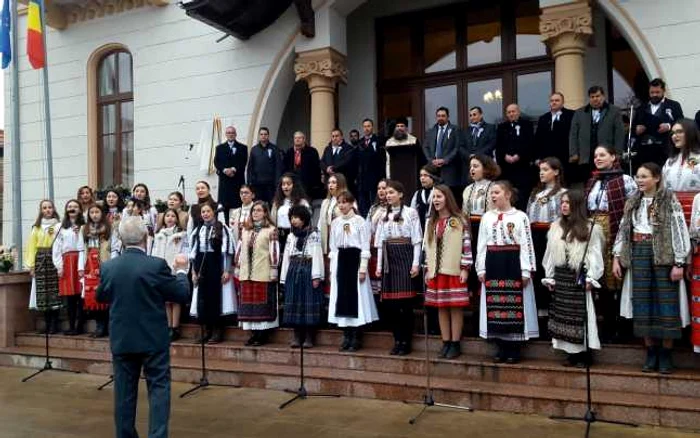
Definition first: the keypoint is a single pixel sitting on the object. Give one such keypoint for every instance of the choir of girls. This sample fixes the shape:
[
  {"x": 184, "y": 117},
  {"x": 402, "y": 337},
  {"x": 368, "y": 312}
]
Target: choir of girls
[{"x": 273, "y": 265}]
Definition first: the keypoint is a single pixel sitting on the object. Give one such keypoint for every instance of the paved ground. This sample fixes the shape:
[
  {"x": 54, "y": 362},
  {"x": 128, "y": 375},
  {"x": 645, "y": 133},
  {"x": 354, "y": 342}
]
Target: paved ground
[{"x": 62, "y": 405}]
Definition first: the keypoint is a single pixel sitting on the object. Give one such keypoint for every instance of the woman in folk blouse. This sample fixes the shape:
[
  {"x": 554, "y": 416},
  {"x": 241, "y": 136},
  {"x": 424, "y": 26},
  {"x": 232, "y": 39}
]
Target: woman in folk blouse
[
  {"x": 543, "y": 208},
  {"x": 351, "y": 302},
  {"x": 653, "y": 244},
  {"x": 376, "y": 213},
  {"x": 448, "y": 256},
  {"x": 505, "y": 264},
  {"x": 681, "y": 172}
]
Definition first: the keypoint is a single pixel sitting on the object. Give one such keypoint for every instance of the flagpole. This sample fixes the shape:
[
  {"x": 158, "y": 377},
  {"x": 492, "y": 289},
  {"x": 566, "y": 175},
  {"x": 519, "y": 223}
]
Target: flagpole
[
  {"x": 15, "y": 149},
  {"x": 47, "y": 107}
]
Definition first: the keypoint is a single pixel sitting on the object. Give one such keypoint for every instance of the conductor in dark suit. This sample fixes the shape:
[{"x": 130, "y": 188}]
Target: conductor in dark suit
[
  {"x": 303, "y": 161},
  {"x": 340, "y": 157},
  {"x": 137, "y": 286},
  {"x": 552, "y": 136},
  {"x": 230, "y": 160},
  {"x": 441, "y": 146},
  {"x": 652, "y": 125}
]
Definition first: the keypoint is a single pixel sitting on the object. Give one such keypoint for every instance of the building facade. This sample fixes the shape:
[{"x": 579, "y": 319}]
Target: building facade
[{"x": 133, "y": 83}]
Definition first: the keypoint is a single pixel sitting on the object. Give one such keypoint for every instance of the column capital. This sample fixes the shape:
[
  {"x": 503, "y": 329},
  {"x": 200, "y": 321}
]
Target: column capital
[
  {"x": 571, "y": 18},
  {"x": 326, "y": 63}
]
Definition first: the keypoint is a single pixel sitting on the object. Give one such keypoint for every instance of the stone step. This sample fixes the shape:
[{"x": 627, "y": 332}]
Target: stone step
[
  {"x": 659, "y": 410},
  {"x": 536, "y": 372}
]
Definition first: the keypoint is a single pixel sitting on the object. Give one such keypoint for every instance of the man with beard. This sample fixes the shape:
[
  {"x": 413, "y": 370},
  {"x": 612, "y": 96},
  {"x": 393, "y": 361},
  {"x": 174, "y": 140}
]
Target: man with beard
[
  {"x": 404, "y": 156},
  {"x": 513, "y": 152},
  {"x": 652, "y": 125},
  {"x": 372, "y": 166},
  {"x": 598, "y": 123},
  {"x": 441, "y": 146},
  {"x": 354, "y": 137},
  {"x": 264, "y": 167}
]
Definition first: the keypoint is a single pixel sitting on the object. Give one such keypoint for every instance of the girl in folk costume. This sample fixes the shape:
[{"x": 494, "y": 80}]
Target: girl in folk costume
[
  {"x": 329, "y": 211},
  {"x": 137, "y": 208},
  {"x": 301, "y": 275},
  {"x": 257, "y": 259},
  {"x": 150, "y": 214},
  {"x": 351, "y": 302},
  {"x": 543, "y": 208},
  {"x": 114, "y": 205},
  {"x": 398, "y": 239},
  {"x": 483, "y": 170},
  {"x": 68, "y": 254},
  {"x": 694, "y": 274},
  {"x": 176, "y": 201},
  {"x": 289, "y": 193},
  {"x": 448, "y": 257},
  {"x": 86, "y": 197},
  {"x": 653, "y": 244},
  {"x": 681, "y": 173},
  {"x": 505, "y": 264},
  {"x": 606, "y": 193},
  {"x": 170, "y": 241},
  {"x": 570, "y": 239},
  {"x": 203, "y": 192},
  {"x": 39, "y": 260},
  {"x": 98, "y": 240},
  {"x": 376, "y": 212},
  {"x": 422, "y": 200},
  {"x": 237, "y": 217},
  {"x": 210, "y": 254}
]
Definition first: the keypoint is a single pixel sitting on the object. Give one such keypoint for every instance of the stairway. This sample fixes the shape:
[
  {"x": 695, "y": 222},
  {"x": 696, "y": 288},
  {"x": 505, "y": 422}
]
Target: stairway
[{"x": 538, "y": 385}]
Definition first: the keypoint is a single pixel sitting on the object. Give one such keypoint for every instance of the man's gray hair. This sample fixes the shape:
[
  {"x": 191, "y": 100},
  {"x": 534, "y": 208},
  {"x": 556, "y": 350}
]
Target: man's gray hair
[{"x": 132, "y": 230}]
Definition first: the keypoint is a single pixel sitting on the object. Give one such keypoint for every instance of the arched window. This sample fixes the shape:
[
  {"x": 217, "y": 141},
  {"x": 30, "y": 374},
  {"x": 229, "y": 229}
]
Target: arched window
[{"x": 115, "y": 119}]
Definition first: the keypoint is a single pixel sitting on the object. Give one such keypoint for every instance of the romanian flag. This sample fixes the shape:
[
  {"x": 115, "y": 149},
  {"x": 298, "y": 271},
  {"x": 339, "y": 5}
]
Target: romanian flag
[{"x": 35, "y": 37}]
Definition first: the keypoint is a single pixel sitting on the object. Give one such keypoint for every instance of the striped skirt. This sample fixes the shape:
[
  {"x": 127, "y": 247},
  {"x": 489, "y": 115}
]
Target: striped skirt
[
  {"x": 302, "y": 302},
  {"x": 69, "y": 283},
  {"x": 609, "y": 280},
  {"x": 655, "y": 297},
  {"x": 46, "y": 280},
  {"x": 397, "y": 261},
  {"x": 446, "y": 291},
  {"x": 92, "y": 281},
  {"x": 568, "y": 307}
]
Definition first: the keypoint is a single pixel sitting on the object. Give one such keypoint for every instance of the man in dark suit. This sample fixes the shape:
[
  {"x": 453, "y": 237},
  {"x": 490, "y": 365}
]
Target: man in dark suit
[
  {"x": 481, "y": 137},
  {"x": 137, "y": 287},
  {"x": 513, "y": 152},
  {"x": 340, "y": 157},
  {"x": 552, "y": 135},
  {"x": 598, "y": 123},
  {"x": 230, "y": 161},
  {"x": 303, "y": 161},
  {"x": 371, "y": 167},
  {"x": 652, "y": 125},
  {"x": 264, "y": 167},
  {"x": 441, "y": 147}
]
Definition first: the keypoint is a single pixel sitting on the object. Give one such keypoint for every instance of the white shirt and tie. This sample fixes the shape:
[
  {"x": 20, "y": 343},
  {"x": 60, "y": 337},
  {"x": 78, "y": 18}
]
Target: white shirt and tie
[
  {"x": 555, "y": 118},
  {"x": 595, "y": 115}
]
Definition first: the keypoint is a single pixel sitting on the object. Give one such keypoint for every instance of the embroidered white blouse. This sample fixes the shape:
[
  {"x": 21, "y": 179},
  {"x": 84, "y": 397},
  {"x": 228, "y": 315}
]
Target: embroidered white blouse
[
  {"x": 312, "y": 250},
  {"x": 630, "y": 189},
  {"x": 682, "y": 175},
  {"x": 475, "y": 198},
  {"x": 408, "y": 227},
  {"x": 544, "y": 207},
  {"x": 236, "y": 218},
  {"x": 282, "y": 213},
  {"x": 350, "y": 231},
  {"x": 510, "y": 227},
  {"x": 68, "y": 240}
]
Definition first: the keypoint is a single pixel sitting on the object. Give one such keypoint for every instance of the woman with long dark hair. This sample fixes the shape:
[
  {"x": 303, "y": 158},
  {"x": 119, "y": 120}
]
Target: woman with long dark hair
[
  {"x": 653, "y": 244},
  {"x": 203, "y": 192},
  {"x": 289, "y": 193},
  {"x": 567, "y": 245}
]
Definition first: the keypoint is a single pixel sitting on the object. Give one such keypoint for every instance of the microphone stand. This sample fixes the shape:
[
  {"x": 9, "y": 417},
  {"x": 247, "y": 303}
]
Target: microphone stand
[
  {"x": 590, "y": 416},
  {"x": 48, "y": 365},
  {"x": 428, "y": 397},
  {"x": 630, "y": 153},
  {"x": 301, "y": 393}
]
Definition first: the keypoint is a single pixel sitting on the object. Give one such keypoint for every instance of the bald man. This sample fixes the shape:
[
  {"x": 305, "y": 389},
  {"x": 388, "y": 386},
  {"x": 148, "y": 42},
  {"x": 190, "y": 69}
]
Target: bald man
[
  {"x": 513, "y": 152},
  {"x": 230, "y": 161}
]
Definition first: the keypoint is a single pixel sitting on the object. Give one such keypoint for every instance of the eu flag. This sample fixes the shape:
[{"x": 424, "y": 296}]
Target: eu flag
[{"x": 5, "y": 46}]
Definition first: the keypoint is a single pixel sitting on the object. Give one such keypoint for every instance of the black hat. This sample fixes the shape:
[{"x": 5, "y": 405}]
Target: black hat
[{"x": 403, "y": 120}]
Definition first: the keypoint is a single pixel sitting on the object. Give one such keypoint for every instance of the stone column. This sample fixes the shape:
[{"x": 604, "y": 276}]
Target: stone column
[
  {"x": 566, "y": 29},
  {"x": 322, "y": 69}
]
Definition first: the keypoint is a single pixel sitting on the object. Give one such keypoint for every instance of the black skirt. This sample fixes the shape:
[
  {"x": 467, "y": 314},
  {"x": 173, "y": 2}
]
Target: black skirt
[
  {"x": 209, "y": 286},
  {"x": 347, "y": 268}
]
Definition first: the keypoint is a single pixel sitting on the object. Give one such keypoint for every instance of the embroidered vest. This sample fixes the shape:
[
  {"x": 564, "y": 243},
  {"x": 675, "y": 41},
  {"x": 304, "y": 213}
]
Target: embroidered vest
[{"x": 446, "y": 251}]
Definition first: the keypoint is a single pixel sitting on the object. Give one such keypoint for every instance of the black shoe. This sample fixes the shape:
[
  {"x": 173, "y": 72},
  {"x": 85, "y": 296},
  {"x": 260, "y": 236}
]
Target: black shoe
[
  {"x": 309, "y": 339},
  {"x": 454, "y": 350},
  {"x": 445, "y": 348},
  {"x": 70, "y": 332},
  {"x": 355, "y": 341},
  {"x": 397, "y": 346},
  {"x": 259, "y": 340},
  {"x": 176, "y": 334},
  {"x": 296, "y": 339},
  {"x": 500, "y": 355},
  {"x": 203, "y": 338},
  {"x": 665, "y": 361},
  {"x": 251, "y": 340},
  {"x": 404, "y": 349},
  {"x": 217, "y": 337},
  {"x": 346, "y": 340},
  {"x": 652, "y": 362},
  {"x": 54, "y": 326}
]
